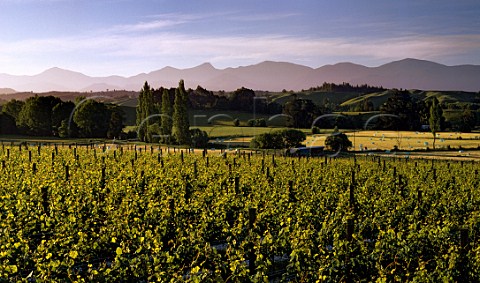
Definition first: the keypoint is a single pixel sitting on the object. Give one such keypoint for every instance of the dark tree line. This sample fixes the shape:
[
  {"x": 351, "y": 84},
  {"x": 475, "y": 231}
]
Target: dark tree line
[{"x": 50, "y": 116}]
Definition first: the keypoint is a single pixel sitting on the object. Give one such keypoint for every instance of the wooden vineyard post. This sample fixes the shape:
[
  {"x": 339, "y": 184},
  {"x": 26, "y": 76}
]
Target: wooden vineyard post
[
  {"x": 34, "y": 168},
  {"x": 181, "y": 155},
  {"x": 291, "y": 192},
  {"x": 349, "y": 238},
  {"x": 195, "y": 171},
  {"x": 45, "y": 202},
  {"x": 53, "y": 158},
  {"x": 67, "y": 173},
  {"x": 252, "y": 215},
  {"x": 102, "y": 180},
  {"x": 352, "y": 191},
  {"x": 237, "y": 185},
  {"x": 188, "y": 188},
  {"x": 29, "y": 156},
  {"x": 464, "y": 263},
  {"x": 38, "y": 149},
  {"x": 8, "y": 153}
]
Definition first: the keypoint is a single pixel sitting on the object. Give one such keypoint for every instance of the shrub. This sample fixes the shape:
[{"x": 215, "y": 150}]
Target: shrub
[
  {"x": 199, "y": 138},
  {"x": 278, "y": 139},
  {"x": 338, "y": 141}
]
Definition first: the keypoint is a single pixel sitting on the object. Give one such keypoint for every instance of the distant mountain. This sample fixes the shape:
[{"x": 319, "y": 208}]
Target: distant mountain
[
  {"x": 6, "y": 91},
  {"x": 269, "y": 76}
]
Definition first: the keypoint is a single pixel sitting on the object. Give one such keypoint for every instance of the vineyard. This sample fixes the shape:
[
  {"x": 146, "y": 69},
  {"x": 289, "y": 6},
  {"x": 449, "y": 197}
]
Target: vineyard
[{"x": 143, "y": 214}]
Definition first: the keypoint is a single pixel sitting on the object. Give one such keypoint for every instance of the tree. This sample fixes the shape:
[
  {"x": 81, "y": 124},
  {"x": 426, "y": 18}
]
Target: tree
[
  {"x": 338, "y": 141},
  {"x": 292, "y": 138},
  {"x": 278, "y": 139},
  {"x": 301, "y": 112},
  {"x": 166, "y": 123},
  {"x": 61, "y": 112},
  {"x": 145, "y": 108},
  {"x": 13, "y": 108},
  {"x": 242, "y": 99},
  {"x": 406, "y": 109},
  {"x": 7, "y": 124},
  {"x": 436, "y": 119},
  {"x": 115, "y": 124},
  {"x": 199, "y": 138},
  {"x": 181, "y": 125},
  {"x": 468, "y": 121},
  {"x": 35, "y": 118},
  {"x": 92, "y": 119}
]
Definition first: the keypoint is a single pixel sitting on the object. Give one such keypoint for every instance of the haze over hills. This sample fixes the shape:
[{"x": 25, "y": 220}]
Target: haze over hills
[{"x": 271, "y": 76}]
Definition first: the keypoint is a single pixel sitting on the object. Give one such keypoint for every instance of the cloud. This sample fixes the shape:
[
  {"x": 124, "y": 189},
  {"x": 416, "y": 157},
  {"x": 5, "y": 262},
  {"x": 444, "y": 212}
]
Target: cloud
[{"x": 126, "y": 52}]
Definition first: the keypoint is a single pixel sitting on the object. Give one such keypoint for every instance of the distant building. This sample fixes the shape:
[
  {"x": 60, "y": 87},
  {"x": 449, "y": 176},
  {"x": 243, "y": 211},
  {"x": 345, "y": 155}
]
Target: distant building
[
  {"x": 425, "y": 127},
  {"x": 306, "y": 151}
]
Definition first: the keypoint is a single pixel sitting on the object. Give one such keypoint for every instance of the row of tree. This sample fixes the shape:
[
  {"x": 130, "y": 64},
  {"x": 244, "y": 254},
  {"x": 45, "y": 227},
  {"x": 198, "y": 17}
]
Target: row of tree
[
  {"x": 159, "y": 121},
  {"x": 50, "y": 116}
]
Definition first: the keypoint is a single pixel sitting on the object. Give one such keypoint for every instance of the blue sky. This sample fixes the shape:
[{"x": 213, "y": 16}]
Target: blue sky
[{"x": 127, "y": 37}]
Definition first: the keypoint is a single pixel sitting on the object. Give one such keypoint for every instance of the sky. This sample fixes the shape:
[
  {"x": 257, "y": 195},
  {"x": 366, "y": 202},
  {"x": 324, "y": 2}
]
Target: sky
[{"x": 128, "y": 37}]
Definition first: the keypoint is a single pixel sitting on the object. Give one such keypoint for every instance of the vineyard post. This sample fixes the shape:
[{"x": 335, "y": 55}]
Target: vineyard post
[
  {"x": 188, "y": 188},
  {"x": 273, "y": 160},
  {"x": 352, "y": 191},
  {"x": 102, "y": 180},
  {"x": 181, "y": 155},
  {"x": 20, "y": 147},
  {"x": 45, "y": 202},
  {"x": 291, "y": 192},
  {"x": 67, "y": 174},
  {"x": 115, "y": 154},
  {"x": 151, "y": 149},
  {"x": 207, "y": 163},
  {"x": 56, "y": 150},
  {"x": 29, "y": 156},
  {"x": 237, "y": 185},
  {"x": 195, "y": 171},
  {"x": 38, "y": 149},
  {"x": 252, "y": 215},
  {"x": 464, "y": 247},
  {"x": 34, "y": 168},
  {"x": 8, "y": 153}
]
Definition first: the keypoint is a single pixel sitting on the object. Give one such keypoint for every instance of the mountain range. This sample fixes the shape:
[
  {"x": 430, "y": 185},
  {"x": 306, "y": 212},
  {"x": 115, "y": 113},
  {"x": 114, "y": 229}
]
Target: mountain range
[{"x": 268, "y": 76}]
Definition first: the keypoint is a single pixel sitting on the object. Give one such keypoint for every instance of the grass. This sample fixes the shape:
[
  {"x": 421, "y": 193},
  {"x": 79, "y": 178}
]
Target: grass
[{"x": 405, "y": 140}]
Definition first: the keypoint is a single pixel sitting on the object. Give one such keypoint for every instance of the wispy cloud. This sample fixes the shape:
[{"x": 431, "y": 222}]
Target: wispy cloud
[{"x": 127, "y": 52}]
